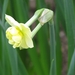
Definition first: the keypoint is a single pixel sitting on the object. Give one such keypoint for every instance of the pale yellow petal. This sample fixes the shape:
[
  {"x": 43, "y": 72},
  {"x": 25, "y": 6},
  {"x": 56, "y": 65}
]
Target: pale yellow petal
[
  {"x": 17, "y": 38},
  {"x": 15, "y": 45},
  {"x": 12, "y": 30},
  {"x": 11, "y": 42},
  {"x": 25, "y": 29},
  {"x": 11, "y": 21},
  {"x": 29, "y": 41},
  {"x": 8, "y": 35},
  {"x": 27, "y": 34},
  {"x": 23, "y": 44}
]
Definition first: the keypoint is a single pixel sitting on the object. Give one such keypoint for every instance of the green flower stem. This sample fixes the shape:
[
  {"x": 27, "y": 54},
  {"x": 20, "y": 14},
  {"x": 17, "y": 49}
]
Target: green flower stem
[
  {"x": 36, "y": 30},
  {"x": 31, "y": 20},
  {"x": 34, "y": 17}
]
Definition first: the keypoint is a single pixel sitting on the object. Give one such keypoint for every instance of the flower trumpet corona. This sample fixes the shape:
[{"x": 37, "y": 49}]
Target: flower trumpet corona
[{"x": 19, "y": 35}]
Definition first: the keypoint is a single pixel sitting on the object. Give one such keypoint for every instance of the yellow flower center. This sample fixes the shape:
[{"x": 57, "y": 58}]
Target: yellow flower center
[{"x": 14, "y": 35}]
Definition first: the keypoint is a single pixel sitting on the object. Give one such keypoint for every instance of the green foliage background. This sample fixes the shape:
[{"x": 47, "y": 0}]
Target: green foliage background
[{"x": 46, "y": 57}]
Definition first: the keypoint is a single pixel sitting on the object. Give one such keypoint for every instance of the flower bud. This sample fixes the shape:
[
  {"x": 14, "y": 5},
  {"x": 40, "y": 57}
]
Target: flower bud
[{"x": 45, "y": 16}]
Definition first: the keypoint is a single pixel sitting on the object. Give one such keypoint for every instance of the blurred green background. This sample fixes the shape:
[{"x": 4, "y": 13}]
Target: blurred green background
[{"x": 49, "y": 54}]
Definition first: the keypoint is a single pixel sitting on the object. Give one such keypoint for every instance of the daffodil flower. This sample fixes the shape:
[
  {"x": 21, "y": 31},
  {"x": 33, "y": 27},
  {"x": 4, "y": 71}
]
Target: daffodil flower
[{"x": 19, "y": 35}]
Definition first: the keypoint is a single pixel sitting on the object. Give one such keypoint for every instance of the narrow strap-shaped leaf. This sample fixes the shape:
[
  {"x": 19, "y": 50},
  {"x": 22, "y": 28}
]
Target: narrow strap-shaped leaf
[
  {"x": 52, "y": 48},
  {"x": 70, "y": 26},
  {"x": 58, "y": 44},
  {"x": 13, "y": 59},
  {"x": 3, "y": 50},
  {"x": 40, "y": 3},
  {"x": 5, "y": 59},
  {"x": 36, "y": 62},
  {"x": 51, "y": 67},
  {"x": 60, "y": 6},
  {"x": 20, "y": 10},
  {"x": 21, "y": 68},
  {"x": 71, "y": 70},
  {"x": 4, "y": 10}
]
